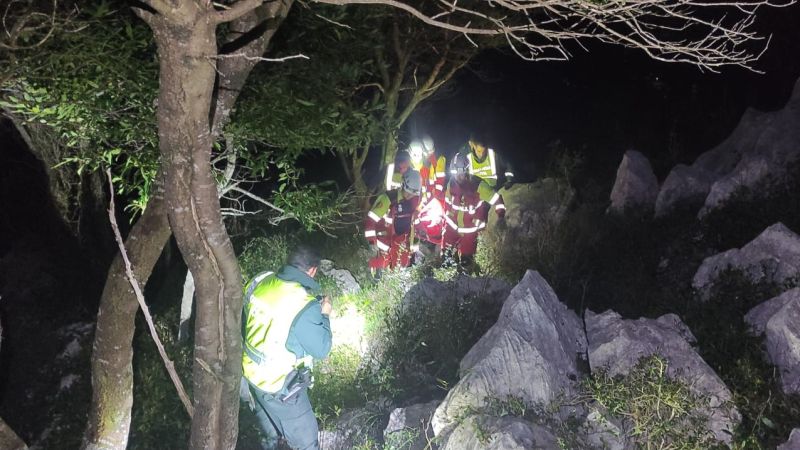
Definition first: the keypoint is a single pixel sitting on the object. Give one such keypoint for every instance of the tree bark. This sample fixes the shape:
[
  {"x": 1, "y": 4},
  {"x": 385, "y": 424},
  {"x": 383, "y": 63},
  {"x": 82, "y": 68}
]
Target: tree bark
[
  {"x": 187, "y": 50},
  {"x": 112, "y": 373}
]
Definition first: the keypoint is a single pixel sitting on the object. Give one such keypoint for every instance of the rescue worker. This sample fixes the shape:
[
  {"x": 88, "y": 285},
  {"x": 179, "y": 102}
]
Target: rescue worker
[
  {"x": 389, "y": 223},
  {"x": 395, "y": 171},
  {"x": 468, "y": 200},
  {"x": 285, "y": 324},
  {"x": 431, "y": 169},
  {"x": 486, "y": 164}
]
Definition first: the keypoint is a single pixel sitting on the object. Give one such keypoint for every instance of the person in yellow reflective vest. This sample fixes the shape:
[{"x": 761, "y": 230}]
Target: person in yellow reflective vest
[
  {"x": 389, "y": 224},
  {"x": 486, "y": 164},
  {"x": 285, "y": 325},
  {"x": 393, "y": 178}
]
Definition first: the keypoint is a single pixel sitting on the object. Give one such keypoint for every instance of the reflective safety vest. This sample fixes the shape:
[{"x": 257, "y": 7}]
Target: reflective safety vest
[
  {"x": 390, "y": 215},
  {"x": 268, "y": 315},
  {"x": 486, "y": 169},
  {"x": 467, "y": 205},
  {"x": 433, "y": 171}
]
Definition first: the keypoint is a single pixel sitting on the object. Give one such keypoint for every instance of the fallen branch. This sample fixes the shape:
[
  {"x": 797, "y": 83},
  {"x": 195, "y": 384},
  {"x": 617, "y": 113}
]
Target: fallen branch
[{"x": 173, "y": 374}]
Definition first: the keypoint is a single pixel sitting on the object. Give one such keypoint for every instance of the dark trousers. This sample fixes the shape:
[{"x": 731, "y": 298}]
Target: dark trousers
[{"x": 294, "y": 420}]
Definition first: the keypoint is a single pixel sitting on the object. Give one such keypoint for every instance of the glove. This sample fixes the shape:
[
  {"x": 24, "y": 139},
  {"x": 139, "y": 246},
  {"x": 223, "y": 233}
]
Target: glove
[{"x": 508, "y": 184}]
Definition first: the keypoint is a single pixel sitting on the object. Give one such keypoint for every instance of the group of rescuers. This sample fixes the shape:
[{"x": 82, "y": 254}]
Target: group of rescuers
[{"x": 285, "y": 319}]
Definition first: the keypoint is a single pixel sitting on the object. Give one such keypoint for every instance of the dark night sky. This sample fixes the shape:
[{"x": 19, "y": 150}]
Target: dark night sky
[{"x": 609, "y": 100}]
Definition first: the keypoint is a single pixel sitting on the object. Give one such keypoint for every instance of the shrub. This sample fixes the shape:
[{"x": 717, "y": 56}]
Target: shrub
[{"x": 662, "y": 412}]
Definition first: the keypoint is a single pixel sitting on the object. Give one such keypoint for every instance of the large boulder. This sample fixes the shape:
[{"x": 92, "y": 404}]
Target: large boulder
[
  {"x": 429, "y": 292},
  {"x": 636, "y": 186},
  {"x": 793, "y": 443},
  {"x": 684, "y": 186},
  {"x": 770, "y": 151},
  {"x": 499, "y": 433},
  {"x": 617, "y": 345},
  {"x": 409, "y": 428},
  {"x": 343, "y": 278},
  {"x": 532, "y": 353},
  {"x": 531, "y": 206},
  {"x": 773, "y": 256},
  {"x": 779, "y": 320},
  {"x": 689, "y": 185},
  {"x": 760, "y": 149}
]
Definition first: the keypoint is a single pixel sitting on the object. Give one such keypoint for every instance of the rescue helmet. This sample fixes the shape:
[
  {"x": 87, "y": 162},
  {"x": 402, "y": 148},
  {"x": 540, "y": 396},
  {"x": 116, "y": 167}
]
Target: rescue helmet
[
  {"x": 459, "y": 165},
  {"x": 412, "y": 182},
  {"x": 427, "y": 143},
  {"x": 417, "y": 150},
  {"x": 402, "y": 156}
]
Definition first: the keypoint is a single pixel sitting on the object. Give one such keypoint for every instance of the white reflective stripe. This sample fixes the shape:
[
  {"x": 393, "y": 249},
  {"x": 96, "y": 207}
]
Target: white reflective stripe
[
  {"x": 370, "y": 233},
  {"x": 500, "y": 206},
  {"x": 451, "y": 223},
  {"x": 439, "y": 187},
  {"x": 494, "y": 198},
  {"x": 466, "y": 230},
  {"x": 374, "y": 216},
  {"x": 492, "y": 163},
  {"x": 382, "y": 246},
  {"x": 388, "y": 220},
  {"x": 440, "y": 174},
  {"x": 509, "y": 174},
  {"x": 389, "y": 174},
  {"x": 480, "y": 203}
]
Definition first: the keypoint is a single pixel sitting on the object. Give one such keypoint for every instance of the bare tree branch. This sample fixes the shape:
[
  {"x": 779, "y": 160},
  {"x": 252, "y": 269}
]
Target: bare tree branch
[
  {"x": 235, "y": 11},
  {"x": 173, "y": 374},
  {"x": 259, "y": 58},
  {"x": 706, "y": 34}
]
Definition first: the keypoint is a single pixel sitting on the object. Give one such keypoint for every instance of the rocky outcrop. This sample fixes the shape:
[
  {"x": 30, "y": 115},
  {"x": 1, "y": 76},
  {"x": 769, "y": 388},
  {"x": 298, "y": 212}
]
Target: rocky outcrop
[
  {"x": 343, "y": 278},
  {"x": 767, "y": 158},
  {"x": 356, "y": 426},
  {"x": 773, "y": 256},
  {"x": 532, "y": 353},
  {"x": 636, "y": 186},
  {"x": 617, "y": 345},
  {"x": 779, "y": 320},
  {"x": 531, "y": 206},
  {"x": 503, "y": 433},
  {"x": 793, "y": 443},
  {"x": 490, "y": 292},
  {"x": 760, "y": 149},
  {"x": 410, "y": 427}
]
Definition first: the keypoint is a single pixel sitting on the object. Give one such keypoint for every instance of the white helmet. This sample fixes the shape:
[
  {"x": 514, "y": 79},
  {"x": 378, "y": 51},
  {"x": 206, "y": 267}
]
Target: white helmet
[
  {"x": 417, "y": 151},
  {"x": 427, "y": 144},
  {"x": 412, "y": 182}
]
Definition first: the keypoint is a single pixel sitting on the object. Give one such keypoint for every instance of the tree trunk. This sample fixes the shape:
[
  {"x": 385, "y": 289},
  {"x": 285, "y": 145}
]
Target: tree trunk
[
  {"x": 187, "y": 51},
  {"x": 112, "y": 374}
]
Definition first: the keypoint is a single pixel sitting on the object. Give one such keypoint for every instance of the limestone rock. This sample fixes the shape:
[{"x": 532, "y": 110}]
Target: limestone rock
[
  {"x": 532, "y": 206},
  {"x": 636, "y": 186},
  {"x": 773, "y": 256},
  {"x": 504, "y": 433},
  {"x": 771, "y": 149},
  {"x": 779, "y": 320},
  {"x": 531, "y": 353},
  {"x": 429, "y": 292},
  {"x": 617, "y": 345},
  {"x": 415, "y": 419},
  {"x": 343, "y": 278},
  {"x": 793, "y": 443},
  {"x": 684, "y": 186},
  {"x": 9, "y": 439}
]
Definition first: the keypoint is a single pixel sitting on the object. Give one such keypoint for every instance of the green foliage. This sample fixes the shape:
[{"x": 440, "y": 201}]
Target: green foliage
[
  {"x": 264, "y": 253},
  {"x": 159, "y": 419},
  {"x": 337, "y": 385},
  {"x": 96, "y": 86},
  {"x": 663, "y": 412}
]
